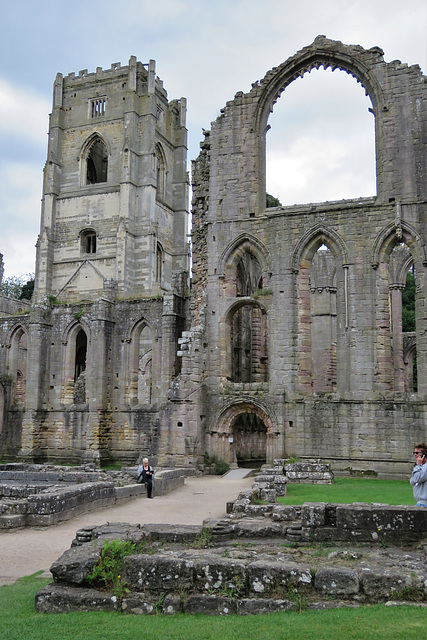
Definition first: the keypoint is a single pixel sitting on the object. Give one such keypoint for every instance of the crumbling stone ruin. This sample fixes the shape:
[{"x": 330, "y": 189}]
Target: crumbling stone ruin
[
  {"x": 33, "y": 495},
  {"x": 290, "y": 340},
  {"x": 248, "y": 570}
]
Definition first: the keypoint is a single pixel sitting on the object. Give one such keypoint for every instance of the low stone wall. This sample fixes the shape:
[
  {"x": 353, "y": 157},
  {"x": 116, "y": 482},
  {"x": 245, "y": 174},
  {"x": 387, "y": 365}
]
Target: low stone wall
[
  {"x": 256, "y": 578},
  {"x": 359, "y": 522},
  {"x": 322, "y": 522},
  {"x": 30, "y": 500}
]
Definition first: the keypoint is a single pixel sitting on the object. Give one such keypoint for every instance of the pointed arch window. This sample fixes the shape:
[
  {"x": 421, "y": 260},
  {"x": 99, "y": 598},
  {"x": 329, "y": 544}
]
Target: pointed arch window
[
  {"x": 160, "y": 172},
  {"x": 248, "y": 275},
  {"x": 81, "y": 351},
  {"x": 95, "y": 162},
  {"x": 248, "y": 342},
  {"x": 18, "y": 364},
  {"x": 159, "y": 262}
]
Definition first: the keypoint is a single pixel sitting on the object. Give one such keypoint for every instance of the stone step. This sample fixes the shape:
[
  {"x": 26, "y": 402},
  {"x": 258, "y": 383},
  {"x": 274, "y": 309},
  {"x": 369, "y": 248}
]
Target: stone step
[{"x": 12, "y": 521}]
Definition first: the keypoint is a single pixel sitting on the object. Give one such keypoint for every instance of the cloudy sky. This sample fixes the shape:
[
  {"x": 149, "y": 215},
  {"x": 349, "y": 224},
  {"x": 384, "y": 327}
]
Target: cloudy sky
[{"x": 320, "y": 146}]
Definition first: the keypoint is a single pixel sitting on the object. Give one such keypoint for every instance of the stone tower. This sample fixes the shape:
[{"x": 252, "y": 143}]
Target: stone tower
[{"x": 111, "y": 271}]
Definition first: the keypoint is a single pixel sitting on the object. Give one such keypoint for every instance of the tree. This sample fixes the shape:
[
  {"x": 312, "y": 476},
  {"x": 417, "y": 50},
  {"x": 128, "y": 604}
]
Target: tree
[
  {"x": 271, "y": 201},
  {"x": 408, "y": 303},
  {"x": 18, "y": 287}
]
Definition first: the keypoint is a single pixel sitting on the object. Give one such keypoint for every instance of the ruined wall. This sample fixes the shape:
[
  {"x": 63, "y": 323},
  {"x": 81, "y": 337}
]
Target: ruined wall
[{"x": 335, "y": 381}]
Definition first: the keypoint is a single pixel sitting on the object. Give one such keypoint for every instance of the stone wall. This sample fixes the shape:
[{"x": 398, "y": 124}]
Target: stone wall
[
  {"x": 37, "y": 496},
  {"x": 330, "y": 279},
  {"x": 222, "y": 579}
]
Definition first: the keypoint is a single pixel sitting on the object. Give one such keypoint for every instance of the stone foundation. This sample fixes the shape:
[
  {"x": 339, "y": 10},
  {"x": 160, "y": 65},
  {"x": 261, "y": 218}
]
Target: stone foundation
[{"x": 235, "y": 577}]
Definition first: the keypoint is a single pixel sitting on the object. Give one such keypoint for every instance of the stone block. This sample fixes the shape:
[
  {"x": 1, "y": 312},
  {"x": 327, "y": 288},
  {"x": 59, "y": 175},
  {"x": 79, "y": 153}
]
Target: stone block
[
  {"x": 285, "y": 513},
  {"x": 379, "y": 584},
  {"x": 259, "y": 528},
  {"x": 260, "y": 606},
  {"x": 209, "y": 605},
  {"x": 313, "y": 514},
  {"x": 156, "y": 573},
  {"x": 336, "y": 581},
  {"x": 60, "y": 598},
  {"x": 139, "y": 604},
  {"x": 266, "y": 577},
  {"x": 219, "y": 574},
  {"x": 173, "y": 532},
  {"x": 172, "y": 604},
  {"x": 75, "y": 564},
  {"x": 11, "y": 521}
]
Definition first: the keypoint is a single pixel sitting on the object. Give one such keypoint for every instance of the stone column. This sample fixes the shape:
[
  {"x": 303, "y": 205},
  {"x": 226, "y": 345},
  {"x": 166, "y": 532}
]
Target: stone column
[
  {"x": 397, "y": 336},
  {"x": 37, "y": 376}
]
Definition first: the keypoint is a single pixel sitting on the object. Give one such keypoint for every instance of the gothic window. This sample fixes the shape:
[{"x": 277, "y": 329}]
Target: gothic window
[
  {"x": 311, "y": 161},
  {"x": 159, "y": 263},
  {"x": 160, "y": 173},
  {"x": 18, "y": 364},
  {"x": 249, "y": 344},
  {"x": 140, "y": 381},
  {"x": 396, "y": 368},
  {"x": 75, "y": 383},
  {"x": 321, "y": 299},
  {"x": 248, "y": 275},
  {"x": 88, "y": 241},
  {"x": 96, "y": 162},
  {"x": 145, "y": 367},
  {"x": 81, "y": 351}
]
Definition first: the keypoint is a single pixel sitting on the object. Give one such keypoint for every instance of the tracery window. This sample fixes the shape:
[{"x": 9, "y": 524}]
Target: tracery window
[{"x": 96, "y": 169}]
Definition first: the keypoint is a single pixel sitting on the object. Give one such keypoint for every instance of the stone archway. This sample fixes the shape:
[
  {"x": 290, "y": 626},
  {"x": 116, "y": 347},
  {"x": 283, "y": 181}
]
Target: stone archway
[
  {"x": 244, "y": 435},
  {"x": 250, "y": 440}
]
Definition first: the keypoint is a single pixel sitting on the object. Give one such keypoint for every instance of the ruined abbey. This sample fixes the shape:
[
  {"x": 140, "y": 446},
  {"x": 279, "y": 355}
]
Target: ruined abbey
[{"x": 287, "y": 338}]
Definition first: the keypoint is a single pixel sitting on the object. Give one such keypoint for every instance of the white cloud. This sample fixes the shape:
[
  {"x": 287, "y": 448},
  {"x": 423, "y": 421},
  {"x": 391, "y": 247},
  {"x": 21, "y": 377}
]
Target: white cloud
[
  {"x": 23, "y": 113},
  {"x": 205, "y": 51},
  {"x": 20, "y": 214}
]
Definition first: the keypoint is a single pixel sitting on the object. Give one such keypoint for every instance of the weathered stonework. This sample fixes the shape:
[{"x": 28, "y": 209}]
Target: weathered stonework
[
  {"x": 290, "y": 341},
  {"x": 257, "y": 577}
]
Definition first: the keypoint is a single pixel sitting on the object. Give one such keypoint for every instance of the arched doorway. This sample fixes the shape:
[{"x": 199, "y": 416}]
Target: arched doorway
[
  {"x": 243, "y": 435},
  {"x": 250, "y": 440}
]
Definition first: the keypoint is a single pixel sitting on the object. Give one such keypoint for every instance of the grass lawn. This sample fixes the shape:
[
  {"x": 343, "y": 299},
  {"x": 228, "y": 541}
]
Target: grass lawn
[
  {"x": 18, "y": 621},
  {"x": 345, "y": 490}
]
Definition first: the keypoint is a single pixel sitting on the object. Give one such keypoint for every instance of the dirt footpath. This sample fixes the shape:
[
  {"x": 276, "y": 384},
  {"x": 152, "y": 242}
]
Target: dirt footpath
[{"x": 25, "y": 551}]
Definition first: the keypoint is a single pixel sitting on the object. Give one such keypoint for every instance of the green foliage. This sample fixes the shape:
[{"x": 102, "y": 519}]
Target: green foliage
[
  {"x": 232, "y": 589},
  {"x": 107, "y": 572},
  {"x": 348, "y": 490},
  {"x": 204, "y": 540},
  {"x": 18, "y": 287},
  {"x": 410, "y": 593},
  {"x": 27, "y": 290},
  {"x": 271, "y": 201},
  {"x": 221, "y": 466},
  {"x": 78, "y": 314},
  {"x": 408, "y": 303},
  {"x": 262, "y": 292},
  {"x": 18, "y": 621}
]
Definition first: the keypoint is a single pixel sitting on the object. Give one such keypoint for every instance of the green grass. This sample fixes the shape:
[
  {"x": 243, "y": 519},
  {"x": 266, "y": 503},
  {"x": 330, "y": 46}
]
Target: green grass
[
  {"x": 18, "y": 621},
  {"x": 345, "y": 490}
]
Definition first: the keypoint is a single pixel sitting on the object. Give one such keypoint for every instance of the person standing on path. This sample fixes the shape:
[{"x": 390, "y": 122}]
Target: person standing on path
[
  {"x": 145, "y": 472},
  {"x": 419, "y": 475}
]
